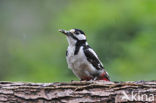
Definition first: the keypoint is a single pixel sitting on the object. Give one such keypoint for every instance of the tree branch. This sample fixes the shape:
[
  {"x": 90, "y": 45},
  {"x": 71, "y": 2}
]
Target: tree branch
[{"x": 78, "y": 91}]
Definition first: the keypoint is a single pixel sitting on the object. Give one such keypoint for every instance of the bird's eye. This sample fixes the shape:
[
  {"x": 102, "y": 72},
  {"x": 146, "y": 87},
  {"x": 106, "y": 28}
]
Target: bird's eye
[{"x": 76, "y": 32}]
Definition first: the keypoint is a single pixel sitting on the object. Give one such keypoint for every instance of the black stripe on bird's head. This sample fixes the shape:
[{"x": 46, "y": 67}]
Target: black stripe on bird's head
[
  {"x": 75, "y": 34},
  {"x": 78, "y": 31}
]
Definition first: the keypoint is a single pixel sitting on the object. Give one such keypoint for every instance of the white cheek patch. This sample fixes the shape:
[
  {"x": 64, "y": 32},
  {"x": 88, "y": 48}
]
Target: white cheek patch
[
  {"x": 71, "y": 41},
  {"x": 81, "y": 37}
]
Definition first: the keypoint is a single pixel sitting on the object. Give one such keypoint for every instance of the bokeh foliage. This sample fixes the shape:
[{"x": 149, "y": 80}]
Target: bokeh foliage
[{"x": 121, "y": 32}]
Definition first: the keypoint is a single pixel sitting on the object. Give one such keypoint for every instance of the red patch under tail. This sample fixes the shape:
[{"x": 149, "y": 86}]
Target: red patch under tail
[{"x": 104, "y": 77}]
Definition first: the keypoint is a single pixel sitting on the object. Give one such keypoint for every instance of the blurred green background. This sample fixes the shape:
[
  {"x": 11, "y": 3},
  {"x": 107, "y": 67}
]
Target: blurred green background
[{"x": 122, "y": 32}]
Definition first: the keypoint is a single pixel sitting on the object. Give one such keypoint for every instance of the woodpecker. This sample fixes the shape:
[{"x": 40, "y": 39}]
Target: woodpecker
[{"x": 81, "y": 58}]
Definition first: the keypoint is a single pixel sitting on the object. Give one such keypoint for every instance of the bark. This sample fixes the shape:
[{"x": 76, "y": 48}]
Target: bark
[{"x": 78, "y": 91}]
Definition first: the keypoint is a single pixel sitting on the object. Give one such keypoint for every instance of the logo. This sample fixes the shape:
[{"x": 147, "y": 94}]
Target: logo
[{"x": 137, "y": 96}]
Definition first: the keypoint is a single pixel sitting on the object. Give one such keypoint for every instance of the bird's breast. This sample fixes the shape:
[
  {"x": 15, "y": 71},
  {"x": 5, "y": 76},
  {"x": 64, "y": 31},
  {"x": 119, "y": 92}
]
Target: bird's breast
[
  {"x": 76, "y": 59},
  {"x": 79, "y": 64}
]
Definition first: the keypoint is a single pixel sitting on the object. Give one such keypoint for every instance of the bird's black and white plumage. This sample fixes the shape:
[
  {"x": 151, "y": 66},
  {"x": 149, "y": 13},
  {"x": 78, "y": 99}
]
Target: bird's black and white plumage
[{"x": 82, "y": 59}]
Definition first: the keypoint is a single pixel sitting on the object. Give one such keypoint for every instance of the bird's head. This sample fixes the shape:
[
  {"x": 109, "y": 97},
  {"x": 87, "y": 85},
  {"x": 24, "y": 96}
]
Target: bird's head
[{"x": 74, "y": 35}]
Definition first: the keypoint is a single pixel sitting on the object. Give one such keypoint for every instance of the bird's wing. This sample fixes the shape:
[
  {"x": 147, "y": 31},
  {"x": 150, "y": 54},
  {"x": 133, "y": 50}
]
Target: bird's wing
[{"x": 93, "y": 58}]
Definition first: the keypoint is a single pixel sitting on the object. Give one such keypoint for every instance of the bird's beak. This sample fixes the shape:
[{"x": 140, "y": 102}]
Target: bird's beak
[{"x": 67, "y": 33}]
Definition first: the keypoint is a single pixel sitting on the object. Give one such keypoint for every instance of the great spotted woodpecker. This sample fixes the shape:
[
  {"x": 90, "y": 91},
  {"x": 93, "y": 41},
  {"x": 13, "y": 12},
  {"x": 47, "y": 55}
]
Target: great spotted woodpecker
[{"x": 82, "y": 59}]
